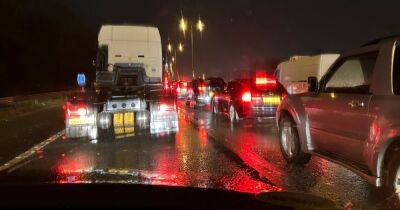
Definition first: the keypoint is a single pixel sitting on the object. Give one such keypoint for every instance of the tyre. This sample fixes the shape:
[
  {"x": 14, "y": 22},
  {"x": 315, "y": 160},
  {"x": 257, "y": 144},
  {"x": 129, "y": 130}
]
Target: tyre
[
  {"x": 290, "y": 143},
  {"x": 233, "y": 115},
  {"x": 392, "y": 179}
]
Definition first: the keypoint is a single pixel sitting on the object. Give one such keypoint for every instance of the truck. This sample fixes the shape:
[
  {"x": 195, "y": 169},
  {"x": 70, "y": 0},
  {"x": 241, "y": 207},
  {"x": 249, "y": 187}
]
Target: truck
[
  {"x": 293, "y": 73},
  {"x": 128, "y": 81}
]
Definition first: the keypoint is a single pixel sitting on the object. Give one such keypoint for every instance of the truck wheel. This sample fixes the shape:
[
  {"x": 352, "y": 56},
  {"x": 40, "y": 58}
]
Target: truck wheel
[
  {"x": 290, "y": 143},
  {"x": 392, "y": 179}
]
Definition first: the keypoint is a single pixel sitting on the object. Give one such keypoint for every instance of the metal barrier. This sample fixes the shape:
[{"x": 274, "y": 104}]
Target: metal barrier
[{"x": 11, "y": 101}]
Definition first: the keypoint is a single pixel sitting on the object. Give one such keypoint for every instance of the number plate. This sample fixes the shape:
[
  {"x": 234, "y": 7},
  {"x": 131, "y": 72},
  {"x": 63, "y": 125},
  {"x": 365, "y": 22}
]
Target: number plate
[
  {"x": 124, "y": 119},
  {"x": 80, "y": 121},
  {"x": 273, "y": 100}
]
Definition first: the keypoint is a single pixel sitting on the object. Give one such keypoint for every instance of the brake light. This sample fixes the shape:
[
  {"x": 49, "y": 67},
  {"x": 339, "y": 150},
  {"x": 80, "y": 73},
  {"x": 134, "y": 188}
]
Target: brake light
[
  {"x": 185, "y": 84},
  {"x": 82, "y": 111},
  {"x": 165, "y": 107},
  {"x": 202, "y": 88},
  {"x": 266, "y": 81},
  {"x": 246, "y": 97},
  {"x": 178, "y": 89},
  {"x": 261, "y": 81},
  {"x": 77, "y": 110}
]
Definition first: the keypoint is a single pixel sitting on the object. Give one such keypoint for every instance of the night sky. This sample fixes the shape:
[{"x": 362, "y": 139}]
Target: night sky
[{"x": 239, "y": 34}]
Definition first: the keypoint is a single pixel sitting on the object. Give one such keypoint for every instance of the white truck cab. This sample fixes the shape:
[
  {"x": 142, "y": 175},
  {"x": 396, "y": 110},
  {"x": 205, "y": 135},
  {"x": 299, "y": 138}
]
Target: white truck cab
[{"x": 131, "y": 50}]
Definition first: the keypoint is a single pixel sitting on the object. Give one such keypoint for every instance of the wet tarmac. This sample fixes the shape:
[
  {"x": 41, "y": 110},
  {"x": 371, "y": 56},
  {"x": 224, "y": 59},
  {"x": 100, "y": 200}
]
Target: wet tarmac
[{"x": 207, "y": 152}]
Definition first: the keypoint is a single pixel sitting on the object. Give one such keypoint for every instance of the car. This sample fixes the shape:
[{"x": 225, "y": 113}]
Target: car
[
  {"x": 196, "y": 93},
  {"x": 350, "y": 116},
  {"x": 247, "y": 98},
  {"x": 213, "y": 85},
  {"x": 181, "y": 89},
  {"x": 80, "y": 116}
]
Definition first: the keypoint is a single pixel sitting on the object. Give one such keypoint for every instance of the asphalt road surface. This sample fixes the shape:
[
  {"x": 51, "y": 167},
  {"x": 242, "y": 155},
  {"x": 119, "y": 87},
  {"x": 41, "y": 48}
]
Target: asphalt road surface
[{"x": 207, "y": 152}]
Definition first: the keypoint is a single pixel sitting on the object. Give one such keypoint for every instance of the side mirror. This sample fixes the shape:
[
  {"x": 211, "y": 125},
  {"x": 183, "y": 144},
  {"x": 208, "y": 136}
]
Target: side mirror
[{"x": 312, "y": 84}]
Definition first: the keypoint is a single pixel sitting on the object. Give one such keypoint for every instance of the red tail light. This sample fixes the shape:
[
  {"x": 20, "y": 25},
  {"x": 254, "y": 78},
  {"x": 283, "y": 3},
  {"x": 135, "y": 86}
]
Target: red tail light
[
  {"x": 77, "y": 110},
  {"x": 246, "y": 97},
  {"x": 167, "y": 107},
  {"x": 266, "y": 81},
  {"x": 202, "y": 88},
  {"x": 179, "y": 89}
]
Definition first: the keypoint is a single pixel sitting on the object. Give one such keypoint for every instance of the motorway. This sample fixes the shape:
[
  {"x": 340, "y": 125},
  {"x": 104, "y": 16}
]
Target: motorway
[{"x": 207, "y": 152}]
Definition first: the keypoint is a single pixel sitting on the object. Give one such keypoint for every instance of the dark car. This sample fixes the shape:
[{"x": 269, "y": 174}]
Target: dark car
[
  {"x": 197, "y": 90},
  {"x": 214, "y": 85},
  {"x": 181, "y": 89},
  {"x": 247, "y": 98}
]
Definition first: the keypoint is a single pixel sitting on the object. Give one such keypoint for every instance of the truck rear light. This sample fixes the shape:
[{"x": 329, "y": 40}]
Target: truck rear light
[
  {"x": 246, "y": 97},
  {"x": 167, "y": 107},
  {"x": 76, "y": 110},
  {"x": 82, "y": 111}
]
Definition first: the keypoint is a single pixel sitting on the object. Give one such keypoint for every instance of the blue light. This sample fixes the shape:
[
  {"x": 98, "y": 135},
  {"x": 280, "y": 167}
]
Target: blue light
[{"x": 81, "y": 79}]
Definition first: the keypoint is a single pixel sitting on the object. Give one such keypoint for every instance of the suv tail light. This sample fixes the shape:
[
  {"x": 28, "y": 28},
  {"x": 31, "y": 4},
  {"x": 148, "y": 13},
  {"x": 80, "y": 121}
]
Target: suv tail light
[{"x": 246, "y": 97}]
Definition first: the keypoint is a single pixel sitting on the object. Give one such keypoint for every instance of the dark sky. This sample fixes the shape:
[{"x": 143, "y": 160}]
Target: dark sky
[
  {"x": 241, "y": 33},
  {"x": 45, "y": 43}
]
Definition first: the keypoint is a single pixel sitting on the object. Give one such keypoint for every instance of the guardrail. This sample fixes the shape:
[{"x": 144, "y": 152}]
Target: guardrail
[
  {"x": 10, "y": 101},
  {"x": 11, "y": 107}
]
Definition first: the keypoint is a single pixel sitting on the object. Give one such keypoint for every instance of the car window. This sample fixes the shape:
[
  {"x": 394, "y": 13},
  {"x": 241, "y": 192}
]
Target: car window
[
  {"x": 396, "y": 71},
  {"x": 352, "y": 75}
]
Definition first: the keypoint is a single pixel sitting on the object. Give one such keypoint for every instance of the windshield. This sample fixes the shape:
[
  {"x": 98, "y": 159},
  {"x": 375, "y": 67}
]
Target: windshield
[{"x": 188, "y": 94}]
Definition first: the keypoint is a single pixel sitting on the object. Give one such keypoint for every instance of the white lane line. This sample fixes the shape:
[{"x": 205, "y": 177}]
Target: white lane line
[{"x": 31, "y": 151}]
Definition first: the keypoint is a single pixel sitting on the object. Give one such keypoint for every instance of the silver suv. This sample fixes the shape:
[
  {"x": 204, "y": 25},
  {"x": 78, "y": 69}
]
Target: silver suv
[{"x": 351, "y": 116}]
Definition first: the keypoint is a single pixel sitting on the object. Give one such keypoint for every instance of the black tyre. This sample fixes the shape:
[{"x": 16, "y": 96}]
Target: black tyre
[
  {"x": 392, "y": 179},
  {"x": 290, "y": 143}
]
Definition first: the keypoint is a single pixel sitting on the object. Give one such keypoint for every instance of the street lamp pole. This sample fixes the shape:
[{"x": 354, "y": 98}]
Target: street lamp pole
[
  {"x": 191, "y": 40},
  {"x": 199, "y": 26}
]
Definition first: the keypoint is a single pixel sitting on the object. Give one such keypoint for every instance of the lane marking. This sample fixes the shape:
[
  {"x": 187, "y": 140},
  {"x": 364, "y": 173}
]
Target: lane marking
[{"x": 25, "y": 155}]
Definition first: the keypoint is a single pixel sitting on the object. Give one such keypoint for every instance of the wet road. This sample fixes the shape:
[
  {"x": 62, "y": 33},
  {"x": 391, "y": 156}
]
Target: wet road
[
  {"x": 207, "y": 152},
  {"x": 187, "y": 158}
]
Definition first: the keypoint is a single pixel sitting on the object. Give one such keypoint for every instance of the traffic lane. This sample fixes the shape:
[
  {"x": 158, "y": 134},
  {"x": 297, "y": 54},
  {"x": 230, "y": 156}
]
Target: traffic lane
[
  {"x": 256, "y": 142},
  {"x": 186, "y": 158},
  {"x": 20, "y": 133}
]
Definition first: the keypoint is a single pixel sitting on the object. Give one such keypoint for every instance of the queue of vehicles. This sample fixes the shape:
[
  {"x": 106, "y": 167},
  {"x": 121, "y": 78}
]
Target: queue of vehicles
[
  {"x": 347, "y": 111},
  {"x": 347, "y": 114}
]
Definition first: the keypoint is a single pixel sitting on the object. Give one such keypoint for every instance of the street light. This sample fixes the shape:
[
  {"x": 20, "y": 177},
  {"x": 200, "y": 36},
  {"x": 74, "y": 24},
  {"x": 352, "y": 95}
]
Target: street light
[
  {"x": 200, "y": 25},
  {"x": 169, "y": 47},
  {"x": 180, "y": 47},
  {"x": 183, "y": 25}
]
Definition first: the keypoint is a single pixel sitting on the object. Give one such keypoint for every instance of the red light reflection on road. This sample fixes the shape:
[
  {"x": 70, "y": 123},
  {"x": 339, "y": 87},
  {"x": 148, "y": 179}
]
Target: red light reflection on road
[
  {"x": 245, "y": 145},
  {"x": 70, "y": 168}
]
